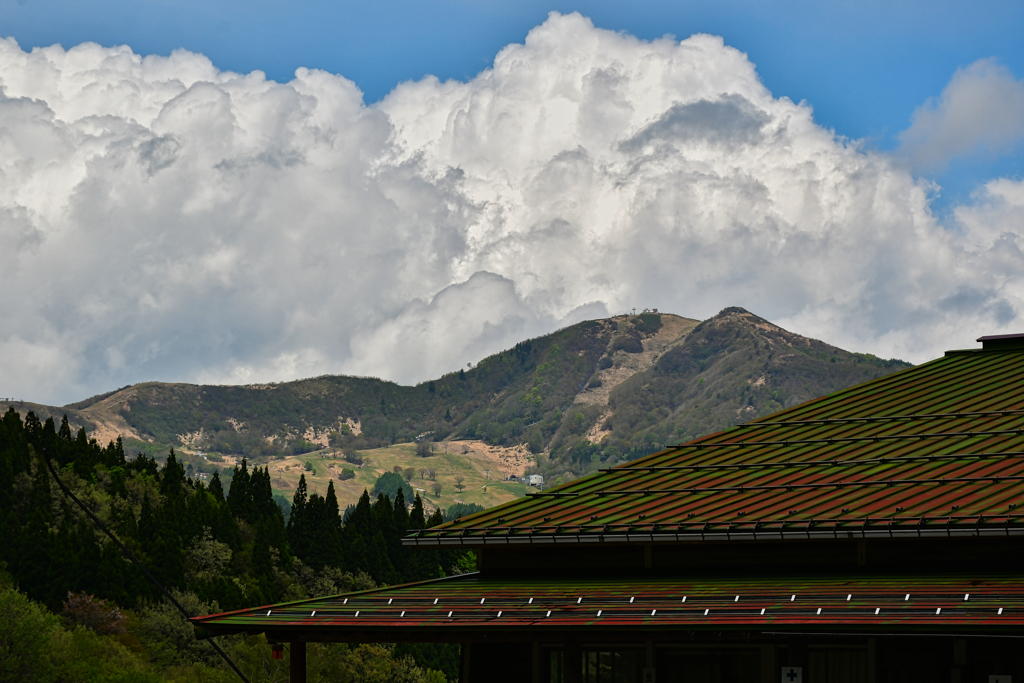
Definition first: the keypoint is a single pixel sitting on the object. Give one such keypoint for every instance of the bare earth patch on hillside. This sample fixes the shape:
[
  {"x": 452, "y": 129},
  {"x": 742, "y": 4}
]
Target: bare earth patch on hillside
[
  {"x": 106, "y": 428},
  {"x": 508, "y": 460},
  {"x": 107, "y": 417},
  {"x": 673, "y": 330}
]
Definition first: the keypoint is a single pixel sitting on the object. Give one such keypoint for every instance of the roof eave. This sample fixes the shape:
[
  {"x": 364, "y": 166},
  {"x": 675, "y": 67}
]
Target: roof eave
[{"x": 718, "y": 535}]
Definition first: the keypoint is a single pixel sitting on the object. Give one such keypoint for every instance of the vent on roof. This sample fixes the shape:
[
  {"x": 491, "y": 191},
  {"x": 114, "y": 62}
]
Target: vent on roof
[{"x": 1002, "y": 342}]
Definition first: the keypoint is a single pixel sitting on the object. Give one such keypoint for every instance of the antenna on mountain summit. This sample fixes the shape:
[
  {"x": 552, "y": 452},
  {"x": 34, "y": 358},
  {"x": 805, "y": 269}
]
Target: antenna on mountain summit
[{"x": 128, "y": 553}]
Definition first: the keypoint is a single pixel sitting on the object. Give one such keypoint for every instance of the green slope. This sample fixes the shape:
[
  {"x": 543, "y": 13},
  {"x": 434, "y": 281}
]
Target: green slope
[
  {"x": 598, "y": 392},
  {"x": 731, "y": 368}
]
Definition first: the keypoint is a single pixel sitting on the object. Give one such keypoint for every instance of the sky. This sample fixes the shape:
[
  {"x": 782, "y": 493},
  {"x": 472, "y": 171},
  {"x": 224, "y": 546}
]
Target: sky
[{"x": 230, "y": 193}]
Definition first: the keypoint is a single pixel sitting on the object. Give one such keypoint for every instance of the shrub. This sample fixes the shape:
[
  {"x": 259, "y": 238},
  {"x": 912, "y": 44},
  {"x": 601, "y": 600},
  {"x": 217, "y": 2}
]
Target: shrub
[
  {"x": 630, "y": 343},
  {"x": 647, "y": 323},
  {"x": 26, "y": 630},
  {"x": 389, "y": 484},
  {"x": 459, "y": 510},
  {"x": 346, "y": 474},
  {"x": 82, "y": 609}
]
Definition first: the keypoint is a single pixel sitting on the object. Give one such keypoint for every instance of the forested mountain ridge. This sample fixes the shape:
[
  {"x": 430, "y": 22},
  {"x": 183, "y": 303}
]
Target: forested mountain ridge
[
  {"x": 598, "y": 392},
  {"x": 507, "y": 398},
  {"x": 729, "y": 369}
]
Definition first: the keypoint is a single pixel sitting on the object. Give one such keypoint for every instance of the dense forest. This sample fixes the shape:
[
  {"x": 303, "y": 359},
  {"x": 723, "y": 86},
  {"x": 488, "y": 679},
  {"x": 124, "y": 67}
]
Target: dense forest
[{"x": 73, "y": 608}]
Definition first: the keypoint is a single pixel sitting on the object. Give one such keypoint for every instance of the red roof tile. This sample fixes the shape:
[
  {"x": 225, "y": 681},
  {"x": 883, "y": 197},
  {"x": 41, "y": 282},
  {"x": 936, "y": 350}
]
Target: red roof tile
[
  {"x": 932, "y": 450},
  {"x": 476, "y": 604}
]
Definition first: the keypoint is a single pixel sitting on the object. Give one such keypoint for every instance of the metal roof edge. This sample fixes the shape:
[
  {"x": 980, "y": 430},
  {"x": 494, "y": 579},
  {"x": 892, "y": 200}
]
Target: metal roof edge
[
  {"x": 198, "y": 620},
  {"x": 689, "y": 537}
]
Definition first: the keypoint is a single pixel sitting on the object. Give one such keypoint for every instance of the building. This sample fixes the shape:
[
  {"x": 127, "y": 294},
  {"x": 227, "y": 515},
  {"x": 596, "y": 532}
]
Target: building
[{"x": 871, "y": 536}]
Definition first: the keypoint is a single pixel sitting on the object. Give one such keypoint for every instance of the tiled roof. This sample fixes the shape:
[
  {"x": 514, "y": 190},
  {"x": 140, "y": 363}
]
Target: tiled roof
[
  {"x": 933, "y": 450},
  {"x": 455, "y": 607}
]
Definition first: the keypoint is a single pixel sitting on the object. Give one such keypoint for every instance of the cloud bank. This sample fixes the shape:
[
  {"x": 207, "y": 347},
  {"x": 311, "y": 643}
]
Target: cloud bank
[
  {"x": 981, "y": 109},
  {"x": 161, "y": 219}
]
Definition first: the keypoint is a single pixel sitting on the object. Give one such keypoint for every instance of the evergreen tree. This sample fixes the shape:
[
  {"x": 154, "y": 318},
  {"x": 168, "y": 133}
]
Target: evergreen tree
[
  {"x": 416, "y": 515},
  {"x": 65, "y": 429},
  {"x": 172, "y": 479},
  {"x": 239, "y": 497},
  {"x": 147, "y": 523},
  {"x": 216, "y": 488},
  {"x": 298, "y": 522}
]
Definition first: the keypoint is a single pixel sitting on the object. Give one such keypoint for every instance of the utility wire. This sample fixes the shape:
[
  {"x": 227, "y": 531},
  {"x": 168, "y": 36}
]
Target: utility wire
[{"x": 103, "y": 527}]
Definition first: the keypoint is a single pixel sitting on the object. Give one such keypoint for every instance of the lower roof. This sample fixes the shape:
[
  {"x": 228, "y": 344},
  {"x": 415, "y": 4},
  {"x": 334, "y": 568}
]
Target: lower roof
[{"x": 475, "y": 606}]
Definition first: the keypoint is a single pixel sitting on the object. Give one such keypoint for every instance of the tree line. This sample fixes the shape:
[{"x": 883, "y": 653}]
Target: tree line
[{"x": 230, "y": 548}]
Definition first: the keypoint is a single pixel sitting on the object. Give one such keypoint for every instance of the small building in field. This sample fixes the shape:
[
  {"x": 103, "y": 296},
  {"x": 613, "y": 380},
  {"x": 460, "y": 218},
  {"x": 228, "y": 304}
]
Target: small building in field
[{"x": 875, "y": 535}]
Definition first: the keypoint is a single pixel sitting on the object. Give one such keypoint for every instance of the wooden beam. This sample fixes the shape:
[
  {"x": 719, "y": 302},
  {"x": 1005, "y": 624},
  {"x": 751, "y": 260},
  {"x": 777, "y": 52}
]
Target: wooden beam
[
  {"x": 572, "y": 662},
  {"x": 464, "y": 654},
  {"x": 297, "y": 662}
]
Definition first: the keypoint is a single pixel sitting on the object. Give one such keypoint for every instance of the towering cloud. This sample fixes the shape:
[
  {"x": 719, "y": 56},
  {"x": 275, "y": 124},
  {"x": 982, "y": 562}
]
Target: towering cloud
[{"x": 160, "y": 219}]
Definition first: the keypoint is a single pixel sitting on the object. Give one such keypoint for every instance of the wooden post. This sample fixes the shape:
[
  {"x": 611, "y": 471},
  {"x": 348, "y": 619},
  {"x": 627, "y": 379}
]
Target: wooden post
[
  {"x": 872, "y": 661},
  {"x": 797, "y": 655},
  {"x": 464, "y": 653},
  {"x": 297, "y": 663},
  {"x": 769, "y": 664},
  {"x": 572, "y": 662},
  {"x": 538, "y": 668}
]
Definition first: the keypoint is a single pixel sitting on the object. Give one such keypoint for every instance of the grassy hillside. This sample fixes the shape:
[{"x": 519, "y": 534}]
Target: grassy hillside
[
  {"x": 482, "y": 480},
  {"x": 515, "y": 396},
  {"x": 593, "y": 394}
]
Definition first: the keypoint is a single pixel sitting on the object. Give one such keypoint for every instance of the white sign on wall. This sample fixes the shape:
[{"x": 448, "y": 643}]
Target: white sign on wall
[{"x": 792, "y": 674}]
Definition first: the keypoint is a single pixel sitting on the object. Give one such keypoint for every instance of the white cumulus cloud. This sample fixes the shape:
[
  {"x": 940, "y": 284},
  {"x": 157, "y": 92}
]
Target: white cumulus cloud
[
  {"x": 980, "y": 109},
  {"x": 162, "y": 219}
]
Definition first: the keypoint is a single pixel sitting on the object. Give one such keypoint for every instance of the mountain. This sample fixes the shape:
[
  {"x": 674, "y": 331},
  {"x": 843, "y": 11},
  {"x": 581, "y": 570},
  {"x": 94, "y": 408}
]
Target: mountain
[
  {"x": 729, "y": 369},
  {"x": 596, "y": 393}
]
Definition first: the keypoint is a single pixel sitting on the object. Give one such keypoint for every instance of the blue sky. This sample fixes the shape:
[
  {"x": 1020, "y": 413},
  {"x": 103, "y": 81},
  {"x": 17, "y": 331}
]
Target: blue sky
[
  {"x": 864, "y": 66},
  {"x": 404, "y": 227}
]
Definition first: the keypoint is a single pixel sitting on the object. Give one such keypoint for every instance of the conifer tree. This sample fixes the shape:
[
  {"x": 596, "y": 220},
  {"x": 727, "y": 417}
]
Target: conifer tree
[
  {"x": 147, "y": 522},
  {"x": 239, "y": 497},
  {"x": 416, "y": 515},
  {"x": 65, "y": 429},
  {"x": 172, "y": 479},
  {"x": 216, "y": 488},
  {"x": 297, "y": 522}
]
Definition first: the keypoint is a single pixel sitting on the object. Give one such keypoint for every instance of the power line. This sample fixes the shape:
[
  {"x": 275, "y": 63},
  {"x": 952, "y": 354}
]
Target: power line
[{"x": 128, "y": 553}]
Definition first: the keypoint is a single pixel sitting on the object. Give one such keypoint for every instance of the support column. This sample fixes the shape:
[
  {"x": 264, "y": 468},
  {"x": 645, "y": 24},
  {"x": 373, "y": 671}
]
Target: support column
[
  {"x": 297, "y": 662},
  {"x": 465, "y": 652},
  {"x": 572, "y": 662},
  {"x": 538, "y": 665},
  {"x": 872, "y": 660},
  {"x": 769, "y": 664},
  {"x": 796, "y": 655}
]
